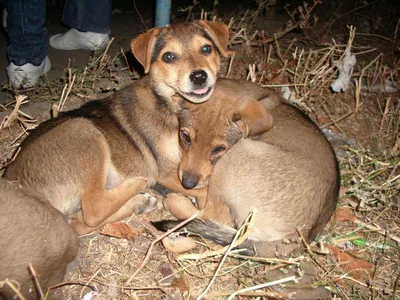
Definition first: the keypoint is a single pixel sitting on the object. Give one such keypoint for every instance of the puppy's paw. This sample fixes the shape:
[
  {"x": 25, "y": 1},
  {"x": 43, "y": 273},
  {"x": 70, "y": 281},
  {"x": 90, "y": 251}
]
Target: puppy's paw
[
  {"x": 148, "y": 204},
  {"x": 176, "y": 243},
  {"x": 172, "y": 198},
  {"x": 140, "y": 183},
  {"x": 180, "y": 206}
]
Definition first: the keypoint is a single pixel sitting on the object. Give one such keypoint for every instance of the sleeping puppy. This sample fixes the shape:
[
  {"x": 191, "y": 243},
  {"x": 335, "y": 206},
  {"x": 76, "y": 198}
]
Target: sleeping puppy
[
  {"x": 33, "y": 232},
  {"x": 289, "y": 173}
]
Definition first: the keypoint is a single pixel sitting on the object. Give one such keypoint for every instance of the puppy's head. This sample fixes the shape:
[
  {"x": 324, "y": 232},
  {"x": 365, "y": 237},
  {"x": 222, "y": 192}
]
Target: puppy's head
[
  {"x": 183, "y": 58},
  {"x": 207, "y": 131}
]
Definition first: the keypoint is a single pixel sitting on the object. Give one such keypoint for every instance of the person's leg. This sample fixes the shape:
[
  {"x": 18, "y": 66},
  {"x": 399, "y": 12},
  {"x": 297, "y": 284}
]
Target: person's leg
[
  {"x": 90, "y": 25},
  {"x": 88, "y": 15},
  {"x": 26, "y": 31},
  {"x": 27, "y": 42}
]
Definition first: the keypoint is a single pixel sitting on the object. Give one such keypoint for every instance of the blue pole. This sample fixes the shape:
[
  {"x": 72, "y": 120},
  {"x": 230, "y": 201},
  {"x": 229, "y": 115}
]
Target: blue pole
[{"x": 163, "y": 12}]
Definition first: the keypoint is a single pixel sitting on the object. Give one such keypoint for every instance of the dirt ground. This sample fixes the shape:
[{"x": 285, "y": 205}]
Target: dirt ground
[{"x": 357, "y": 256}]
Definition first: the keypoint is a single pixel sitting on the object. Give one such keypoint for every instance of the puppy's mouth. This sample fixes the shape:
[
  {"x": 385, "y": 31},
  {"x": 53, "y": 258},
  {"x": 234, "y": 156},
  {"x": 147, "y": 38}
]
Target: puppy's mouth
[
  {"x": 199, "y": 95},
  {"x": 201, "y": 92}
]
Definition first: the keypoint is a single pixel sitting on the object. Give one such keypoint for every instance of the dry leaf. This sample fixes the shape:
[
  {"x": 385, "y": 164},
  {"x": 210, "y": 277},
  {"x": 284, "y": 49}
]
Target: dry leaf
[
  {"x": 181, "y": 284},
  {"x": 357, "y": 268},
  {"x": 120, "y": 230},
  {"x": 344, "y": 214},
  {"x": 167, "y": 272},
  {"x": 342, "y": 191}
]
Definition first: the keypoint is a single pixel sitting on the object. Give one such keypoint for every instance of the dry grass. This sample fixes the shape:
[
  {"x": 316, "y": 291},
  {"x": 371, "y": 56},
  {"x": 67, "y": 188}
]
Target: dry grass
[{"x": 358, "y": 255}]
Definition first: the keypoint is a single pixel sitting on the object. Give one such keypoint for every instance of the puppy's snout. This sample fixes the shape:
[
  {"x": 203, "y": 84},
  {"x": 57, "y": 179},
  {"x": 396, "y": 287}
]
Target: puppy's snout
[
  {"x": 189, "y": 181},
  {"x": 198, "y": 77}
]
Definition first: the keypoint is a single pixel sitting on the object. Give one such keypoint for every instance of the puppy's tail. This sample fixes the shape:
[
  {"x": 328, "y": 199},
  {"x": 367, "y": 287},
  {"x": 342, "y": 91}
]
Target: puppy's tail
[{"x": 216, "y": 232}]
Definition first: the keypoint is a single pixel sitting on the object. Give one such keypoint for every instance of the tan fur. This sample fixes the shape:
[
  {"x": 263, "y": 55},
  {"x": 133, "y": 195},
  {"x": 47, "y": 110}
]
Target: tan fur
[
  {"x": 174, "y": 77},
  {"x": 289, "y": 174},
  {"x": 93, "y": 163},
  {"x": 32, "y": 231},
  {"x": 224, "y": 125}
]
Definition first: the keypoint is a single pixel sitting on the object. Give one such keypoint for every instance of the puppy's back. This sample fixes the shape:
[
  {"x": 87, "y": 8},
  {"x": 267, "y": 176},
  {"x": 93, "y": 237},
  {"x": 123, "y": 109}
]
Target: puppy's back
[
  {"x": 290, "y": 175},
  {"x": 32, "y": 231}
]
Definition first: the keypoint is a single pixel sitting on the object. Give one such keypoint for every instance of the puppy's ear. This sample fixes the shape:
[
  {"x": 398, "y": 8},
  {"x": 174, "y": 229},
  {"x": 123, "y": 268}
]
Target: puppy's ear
[
  {"x": 142, "y": 47},
  {"x": 253, "y": 118},
  {"x": 219, "y": 33}
]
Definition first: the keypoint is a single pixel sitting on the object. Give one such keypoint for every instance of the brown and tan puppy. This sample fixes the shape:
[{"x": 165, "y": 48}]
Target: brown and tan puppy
[
  {"x": 33, "y": 232},
  {"x": 183, "y": 58},
  {"x": 93, "y": 162},
  {"x": 289, "y": 174}
]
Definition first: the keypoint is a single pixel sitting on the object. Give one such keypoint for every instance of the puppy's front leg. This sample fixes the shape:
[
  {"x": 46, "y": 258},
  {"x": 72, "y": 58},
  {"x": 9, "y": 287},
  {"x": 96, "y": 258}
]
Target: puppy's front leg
[
  {"x": 182, "y": 208},
  {"x": 98, "y": 203},
  {"x": 141, "y": 203}
]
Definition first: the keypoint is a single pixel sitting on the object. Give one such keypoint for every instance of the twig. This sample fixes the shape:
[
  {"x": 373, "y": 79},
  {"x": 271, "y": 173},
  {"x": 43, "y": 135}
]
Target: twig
[
  {"x": 384, "y": 115},
  {"x": 16, "y": 114},
  {"x": 255, "y": 14},
  {"x": 190, "y": 10},
  {"x": 365, "y": 68},
  {"x": 90, "y": 279},
  {"x": 278, "y": 49},
  {"x": 268, "y": 294},
  {"x": 36, "y": 281},
  {"x": 56, "y": 109},
  {"x": 365, "y": 285},
  {"x": 126, "y": 60},
  {"x": 140, "y": 15},
  {"x": 395, "y": 35},
  {"x": 309, "y": 251},
  {"x": 105, "y": 52},
  {"x": 260, "y": 286},
  {"x": 396, "y": 283},
  {"x": 230, "y": 64},
  {"x": 240, "y": 236},
  {"x": 146, "y": 258},
  {"x": 198, "y": 256},
  {"x": 357, "y": 95},
  {"x": 338, "y": 120},
  {"x": 74, "y": 282},
  {"x": 13, "y": 287},
  {"x": 349, "y": 12},
  {"x": 379, "y": 230}
]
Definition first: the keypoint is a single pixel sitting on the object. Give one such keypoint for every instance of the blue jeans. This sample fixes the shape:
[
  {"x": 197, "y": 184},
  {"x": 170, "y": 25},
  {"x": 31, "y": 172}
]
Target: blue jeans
[
  {"x": 88, "y": 15},
  {"x": 28, "y": 36}
]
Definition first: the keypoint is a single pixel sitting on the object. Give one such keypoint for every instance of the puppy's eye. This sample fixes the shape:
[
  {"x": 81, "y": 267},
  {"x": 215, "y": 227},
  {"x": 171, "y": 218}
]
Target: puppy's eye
[
  {"x": 185, "y": 138},
  {"x": 206, "y": 49},
  {"x": 168, "y": 57},
  {"x": 219, "y": 150}
]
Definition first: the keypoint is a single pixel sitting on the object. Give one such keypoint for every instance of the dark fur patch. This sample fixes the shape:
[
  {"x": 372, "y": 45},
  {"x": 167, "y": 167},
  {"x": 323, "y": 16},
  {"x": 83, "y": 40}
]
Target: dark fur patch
[
  {"x": 218, "y": 233},
  {"x": 96, "y": 111},
  {"x": 158, "y": 47}
]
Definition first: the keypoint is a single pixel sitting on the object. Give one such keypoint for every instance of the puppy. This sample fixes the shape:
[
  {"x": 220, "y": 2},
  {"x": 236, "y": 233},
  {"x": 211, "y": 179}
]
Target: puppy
[
  {"x": 183, "y": 59},
  {"x": 93, "y": 163},
  {"x": 289, "y": 174},
  {"x": 33, "y": 232}
]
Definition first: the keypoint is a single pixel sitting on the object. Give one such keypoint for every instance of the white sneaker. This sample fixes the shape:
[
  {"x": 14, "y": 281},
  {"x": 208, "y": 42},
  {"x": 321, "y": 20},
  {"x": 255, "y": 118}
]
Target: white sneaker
[
  {"x": 74, "y": 40},
  {"x": 27, "y": 75}
]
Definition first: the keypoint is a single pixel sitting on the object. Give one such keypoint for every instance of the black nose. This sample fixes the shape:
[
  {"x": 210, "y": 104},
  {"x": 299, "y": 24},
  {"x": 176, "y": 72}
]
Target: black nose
[
  {"x": 189, "y": 181},
  {"x": 198, "y": 77}
]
